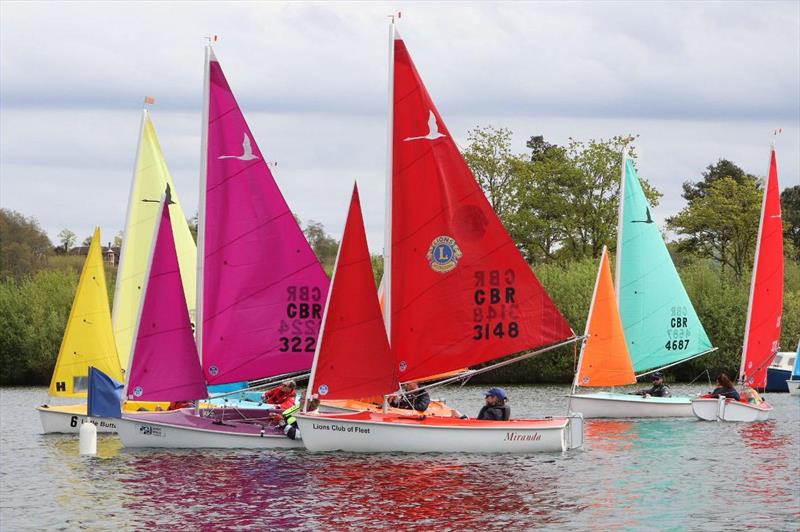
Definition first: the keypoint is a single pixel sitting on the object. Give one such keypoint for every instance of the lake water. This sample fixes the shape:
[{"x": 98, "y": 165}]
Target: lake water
[{"x": 666, "y": 475}]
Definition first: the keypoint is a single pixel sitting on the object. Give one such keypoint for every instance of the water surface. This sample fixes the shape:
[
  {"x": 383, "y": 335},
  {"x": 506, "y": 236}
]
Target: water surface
[{"x": 675, "y": 474}]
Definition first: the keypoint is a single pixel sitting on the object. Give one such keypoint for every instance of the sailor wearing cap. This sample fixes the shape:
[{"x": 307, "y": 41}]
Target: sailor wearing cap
[{"x": 659, "y": 389}]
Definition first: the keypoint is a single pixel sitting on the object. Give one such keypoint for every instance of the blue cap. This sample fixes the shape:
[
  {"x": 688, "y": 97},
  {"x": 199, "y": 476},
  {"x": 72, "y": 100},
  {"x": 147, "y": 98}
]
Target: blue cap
[{"x": 497, "y": 392}]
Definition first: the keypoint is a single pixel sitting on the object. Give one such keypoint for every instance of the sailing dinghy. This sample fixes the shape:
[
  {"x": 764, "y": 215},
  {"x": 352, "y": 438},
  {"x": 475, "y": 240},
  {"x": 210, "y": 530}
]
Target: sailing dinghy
[
  {"x": 150, "y": 176},
  {"x": 88, "y": 341},
  {"x": 763, "y": 328},
  {"x": 261, "y": 288},
  {"x": 458, "y": 293},
  {"x": 659, "y": 326}
]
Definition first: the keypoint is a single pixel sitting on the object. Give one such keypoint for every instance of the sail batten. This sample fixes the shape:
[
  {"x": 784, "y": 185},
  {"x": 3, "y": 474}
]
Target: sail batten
[{"x": 263, "y": 287}]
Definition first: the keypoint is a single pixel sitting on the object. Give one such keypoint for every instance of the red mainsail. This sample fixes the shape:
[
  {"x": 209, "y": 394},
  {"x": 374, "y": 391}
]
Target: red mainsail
[
  {"x": 763, "y": 329},
  {"x": 461, "y": 292},
  {"x": 353, "y": 358}
]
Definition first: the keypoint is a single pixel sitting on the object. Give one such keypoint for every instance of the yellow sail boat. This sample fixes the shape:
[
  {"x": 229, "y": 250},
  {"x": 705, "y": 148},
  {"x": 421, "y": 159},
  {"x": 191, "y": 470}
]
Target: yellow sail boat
[
  {"x": 150, "y": 178},
  {"x": 88, "y": 341}
]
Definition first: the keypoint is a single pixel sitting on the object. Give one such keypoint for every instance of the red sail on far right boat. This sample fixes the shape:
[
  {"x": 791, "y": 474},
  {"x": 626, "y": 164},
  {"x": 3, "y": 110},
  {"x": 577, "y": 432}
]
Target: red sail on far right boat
[{"x": 763, "y": 328}]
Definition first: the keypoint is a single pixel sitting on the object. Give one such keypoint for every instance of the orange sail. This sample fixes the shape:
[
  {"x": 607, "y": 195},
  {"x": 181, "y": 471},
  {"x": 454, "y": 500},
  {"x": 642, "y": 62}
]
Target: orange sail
[
  {"x": 604, "y": 360},
  {"x": 460, "y": 293},
  {"x": 353, "y": 358}
]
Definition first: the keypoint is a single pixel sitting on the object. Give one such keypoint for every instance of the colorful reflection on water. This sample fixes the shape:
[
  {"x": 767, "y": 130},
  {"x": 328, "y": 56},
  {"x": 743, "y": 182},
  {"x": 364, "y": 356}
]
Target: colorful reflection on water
[{"x": 665, "y": 474}]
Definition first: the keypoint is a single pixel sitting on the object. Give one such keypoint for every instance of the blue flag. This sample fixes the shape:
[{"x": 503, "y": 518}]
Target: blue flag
[{"x": 105, "y": 395}]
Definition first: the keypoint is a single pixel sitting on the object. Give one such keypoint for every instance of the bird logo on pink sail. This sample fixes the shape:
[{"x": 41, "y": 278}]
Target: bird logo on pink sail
[
  {"x": 247, "y": 151},
  {"x": 433, "y": 130}
]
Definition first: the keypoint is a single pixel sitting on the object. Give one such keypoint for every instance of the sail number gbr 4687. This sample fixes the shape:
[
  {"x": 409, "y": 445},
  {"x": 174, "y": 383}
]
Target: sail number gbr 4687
[
  {"x": 678, "y": 332},
  {"x": 495, "y": 312}
]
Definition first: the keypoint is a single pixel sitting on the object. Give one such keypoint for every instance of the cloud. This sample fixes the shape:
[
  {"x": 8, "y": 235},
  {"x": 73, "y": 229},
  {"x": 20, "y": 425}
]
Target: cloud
[{"x": 697, "y": 81}]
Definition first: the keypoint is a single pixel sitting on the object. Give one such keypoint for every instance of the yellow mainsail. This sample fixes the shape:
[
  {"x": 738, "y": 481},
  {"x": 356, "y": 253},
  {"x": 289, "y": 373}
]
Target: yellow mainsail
[
  {"x": 88, "y": 339},
  {"x": 149, "y": 181}
]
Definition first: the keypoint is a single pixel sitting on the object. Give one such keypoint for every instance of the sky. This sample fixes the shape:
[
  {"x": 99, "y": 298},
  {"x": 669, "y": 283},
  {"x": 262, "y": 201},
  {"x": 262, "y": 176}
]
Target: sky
[{"x": 697, "y": 81}]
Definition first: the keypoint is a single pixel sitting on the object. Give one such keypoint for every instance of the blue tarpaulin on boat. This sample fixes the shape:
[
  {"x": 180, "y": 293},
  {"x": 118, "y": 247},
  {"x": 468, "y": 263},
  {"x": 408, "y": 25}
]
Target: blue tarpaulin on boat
[
  {"x": 105, "y": 395},
  {"x": 225, "y": 388}
]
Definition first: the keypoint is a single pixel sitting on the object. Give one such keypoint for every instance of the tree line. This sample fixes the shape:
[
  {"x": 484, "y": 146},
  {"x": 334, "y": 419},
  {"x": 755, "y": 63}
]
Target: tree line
[{"x": 558, "y": 202}]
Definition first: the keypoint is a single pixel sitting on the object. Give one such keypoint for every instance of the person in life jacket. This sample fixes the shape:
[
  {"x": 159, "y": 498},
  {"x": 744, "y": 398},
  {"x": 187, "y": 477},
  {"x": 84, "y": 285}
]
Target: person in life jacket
[
  {"x": 495, "y": 408},
  {"x": 288, "y": 422},
  {"x": 658, "y": 389},
  {"x": 724, "y": 388},
  {"x": 413, "y": 399},
  {"x": 281, "y": 396}
]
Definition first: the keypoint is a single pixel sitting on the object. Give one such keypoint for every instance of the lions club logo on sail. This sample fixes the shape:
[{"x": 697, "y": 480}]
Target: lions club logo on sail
[{"x": 443, "y": 254}]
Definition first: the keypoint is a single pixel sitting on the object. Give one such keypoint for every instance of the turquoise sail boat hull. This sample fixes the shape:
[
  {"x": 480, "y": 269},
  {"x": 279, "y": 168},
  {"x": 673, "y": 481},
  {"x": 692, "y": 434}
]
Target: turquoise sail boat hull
[{"x": 660, "y": 323}]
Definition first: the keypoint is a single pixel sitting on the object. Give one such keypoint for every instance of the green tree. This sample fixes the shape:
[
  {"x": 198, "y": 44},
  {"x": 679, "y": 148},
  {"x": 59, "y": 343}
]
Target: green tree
[
  {"x": 24, "y": 246},
  {"x": 790, "y": 210},
  {"x": 118, "y": 239},
  {"x": 489, "y": 156},
  {"x": 66, "y": 239},
  {"x": 324, "y": 245},
  {"x": 723, "y": 168},
  {"x": 720, "y": 220},
  {"x": 566, "y": 198}
]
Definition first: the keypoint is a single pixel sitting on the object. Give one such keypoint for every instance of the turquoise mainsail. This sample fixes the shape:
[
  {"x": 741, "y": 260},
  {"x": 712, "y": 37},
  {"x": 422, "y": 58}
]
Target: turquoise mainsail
[{"x": 660, "y": 323}]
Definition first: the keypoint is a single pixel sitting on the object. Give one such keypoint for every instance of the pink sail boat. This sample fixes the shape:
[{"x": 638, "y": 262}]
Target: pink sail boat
[
  {"x": 261, "y": 288},
  {"x": 763, "y": 328},
  {"x": 164, "y": 366},
  {"x": 458, "y": 294}
]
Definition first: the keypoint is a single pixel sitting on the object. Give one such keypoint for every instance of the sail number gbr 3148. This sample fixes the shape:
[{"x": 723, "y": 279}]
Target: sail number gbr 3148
[{"x": 495, "y": 312}]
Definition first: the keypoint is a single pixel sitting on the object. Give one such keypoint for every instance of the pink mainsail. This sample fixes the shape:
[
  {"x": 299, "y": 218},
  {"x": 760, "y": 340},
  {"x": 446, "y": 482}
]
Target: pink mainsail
[
  {"x": 763, "y": 329},
  {"x": 164, "y": 365},
  {"x": 263, "y": 289}
]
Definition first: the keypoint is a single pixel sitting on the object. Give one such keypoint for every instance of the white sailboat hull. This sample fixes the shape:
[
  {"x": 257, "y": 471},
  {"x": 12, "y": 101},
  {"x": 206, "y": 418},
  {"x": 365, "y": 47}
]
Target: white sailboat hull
[
  {"x": 794, "y": 386},
  {"x": 721, "y": 409},
  {"x": 68, "y": 420},
  {"x": 617, "y": 405},
  {"x": 367, "y": 432},
  {"x": 191, "y": 432}
]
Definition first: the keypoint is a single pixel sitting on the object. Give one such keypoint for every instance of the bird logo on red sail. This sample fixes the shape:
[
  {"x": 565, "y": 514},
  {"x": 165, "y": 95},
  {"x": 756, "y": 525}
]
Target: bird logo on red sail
[
  {"x": 433, "y": 130},
  {"x": 443, "y": 254}
]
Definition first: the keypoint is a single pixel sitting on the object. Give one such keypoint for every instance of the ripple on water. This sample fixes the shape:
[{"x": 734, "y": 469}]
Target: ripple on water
[{"x": 670, "y": 474}]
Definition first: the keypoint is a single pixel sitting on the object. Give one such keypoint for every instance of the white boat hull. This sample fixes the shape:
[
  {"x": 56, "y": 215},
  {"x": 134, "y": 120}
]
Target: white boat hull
[
  {"x": 146, "y": 430},
  {"x": 617, "y": 405},
  {"x": 367, "y": 432},
  {"x": 67, "y": 420},
  {"x": 721, "y": 409},
  {"x": 794, "y": 386}
]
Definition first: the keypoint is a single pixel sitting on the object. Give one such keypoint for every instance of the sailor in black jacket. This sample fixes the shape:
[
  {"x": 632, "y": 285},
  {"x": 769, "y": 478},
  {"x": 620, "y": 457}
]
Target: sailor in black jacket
[
  {"x": 413, "y": 399},
  {"x": 659, "y": 389},
  {"x": 495, "y": 408}
]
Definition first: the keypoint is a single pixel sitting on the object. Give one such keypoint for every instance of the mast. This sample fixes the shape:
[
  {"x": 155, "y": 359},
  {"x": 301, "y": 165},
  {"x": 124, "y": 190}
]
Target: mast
[
  {"x": 123, "y": 252},
  {"x": 588, "y": 321},
  {"x": 621, "y": 210},
  {"x": 387, "y": 231},
  {"x": 741, "y": 378},
  {"x": 201, "y": 207},
  {"x": 145, "y": 284}
]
